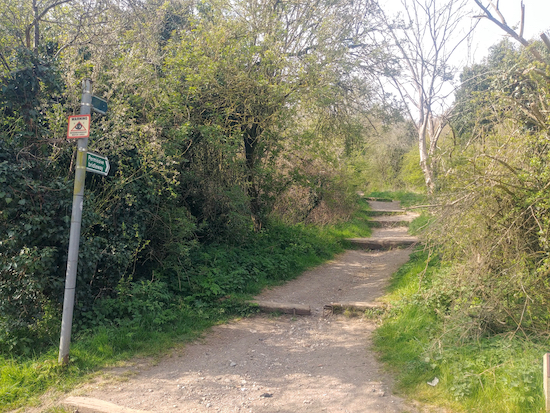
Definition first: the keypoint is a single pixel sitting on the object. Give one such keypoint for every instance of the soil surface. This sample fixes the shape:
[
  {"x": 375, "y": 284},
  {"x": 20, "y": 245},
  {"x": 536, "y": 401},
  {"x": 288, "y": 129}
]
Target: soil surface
[{"x": 288, "y": 364}]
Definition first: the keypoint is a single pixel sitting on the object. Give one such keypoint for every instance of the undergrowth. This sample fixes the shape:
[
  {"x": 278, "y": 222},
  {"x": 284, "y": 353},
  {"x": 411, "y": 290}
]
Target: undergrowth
[
  {"x": 147, "y": 317},
  {"x": 357, "y": 226},
  {"x": 497, "y": 373},
  {"x": 24, "y": 379}
]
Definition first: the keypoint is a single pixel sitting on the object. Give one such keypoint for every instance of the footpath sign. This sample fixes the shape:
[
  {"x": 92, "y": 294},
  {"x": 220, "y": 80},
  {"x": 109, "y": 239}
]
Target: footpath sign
[
  {"x": 97, "y": 164},
  {"x": 79, "y": 126},
  {"x": 79, "y": 129},
  {"x": 99, "y": 105}
]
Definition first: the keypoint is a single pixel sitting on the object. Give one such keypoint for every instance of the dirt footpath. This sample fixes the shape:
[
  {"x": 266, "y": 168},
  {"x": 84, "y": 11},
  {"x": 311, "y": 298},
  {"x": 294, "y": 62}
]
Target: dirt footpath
[{"x": 290, "y": 364}]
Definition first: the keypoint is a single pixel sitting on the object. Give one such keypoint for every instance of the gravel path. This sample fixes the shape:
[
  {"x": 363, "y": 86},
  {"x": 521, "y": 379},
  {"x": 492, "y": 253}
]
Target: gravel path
[{"x": 264, "y": 364}]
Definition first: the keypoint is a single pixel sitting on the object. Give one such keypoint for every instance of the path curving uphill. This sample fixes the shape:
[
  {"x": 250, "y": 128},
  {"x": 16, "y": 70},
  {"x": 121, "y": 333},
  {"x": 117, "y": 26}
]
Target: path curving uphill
[
  {"x": 321, "y": 362},
  {"x": 392, "y": 231}
]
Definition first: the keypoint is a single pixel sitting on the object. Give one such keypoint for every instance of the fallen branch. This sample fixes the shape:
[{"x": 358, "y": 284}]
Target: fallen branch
[
  {"x": 355, "y": 305},
  {"x": 423, "y": 206}
]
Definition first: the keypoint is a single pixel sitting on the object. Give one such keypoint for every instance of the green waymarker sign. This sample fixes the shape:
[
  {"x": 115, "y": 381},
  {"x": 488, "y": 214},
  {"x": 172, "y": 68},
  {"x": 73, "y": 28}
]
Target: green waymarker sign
[
  {"x": 97, "y": 164},
  {"x": 99, "y": 105}
]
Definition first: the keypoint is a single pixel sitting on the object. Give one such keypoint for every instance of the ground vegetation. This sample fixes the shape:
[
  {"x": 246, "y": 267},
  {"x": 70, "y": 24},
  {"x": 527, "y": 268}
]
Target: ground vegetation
[
  {"x": 494, "y": 196},
  {"x": 472, "y": 308},
  {"x": 232, "y": 128}
]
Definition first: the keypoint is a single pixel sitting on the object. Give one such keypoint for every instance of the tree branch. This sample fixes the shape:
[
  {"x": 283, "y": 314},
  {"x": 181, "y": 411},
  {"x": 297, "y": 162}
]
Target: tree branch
[
  {"x": 504, "y": 26},
  {"x": 545, "y": 39},
  {"x": 522, "y": 21},
  {"x": 4, "y": 62},
  {"x": 36, "y": 19},
  {"x": 51, "y": 6}
]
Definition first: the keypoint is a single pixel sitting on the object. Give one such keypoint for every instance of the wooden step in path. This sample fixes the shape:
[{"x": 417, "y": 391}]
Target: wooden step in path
[
  {"x": 283, "y": 308},
  {"x": 392, "y": 232},
  {"x": 383, "y": 243},
  {"x": 391, "y": 221},
  {"x": 93, "y": 405}
]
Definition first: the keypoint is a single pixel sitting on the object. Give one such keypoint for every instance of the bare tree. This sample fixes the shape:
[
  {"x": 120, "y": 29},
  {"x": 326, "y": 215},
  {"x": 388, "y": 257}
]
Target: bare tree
[
  {"x": 30, "y": 24},
  {"x": 500, "y": 21},
  {"x": 426, "y": 35}
]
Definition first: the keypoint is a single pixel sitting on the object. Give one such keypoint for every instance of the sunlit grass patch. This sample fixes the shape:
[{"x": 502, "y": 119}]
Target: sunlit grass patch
[
  {"x": 489, "y": 375},
  {"x": 357, "y": 226},
  {"x": 23, "y": 380}
]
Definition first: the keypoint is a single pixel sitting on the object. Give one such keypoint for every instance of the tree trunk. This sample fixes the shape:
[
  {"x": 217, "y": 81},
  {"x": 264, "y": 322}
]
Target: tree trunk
[
  {"x": 423, "y": 151},
  {"x": 36, "y": 27},
  {"x": 251, "y": 134}
]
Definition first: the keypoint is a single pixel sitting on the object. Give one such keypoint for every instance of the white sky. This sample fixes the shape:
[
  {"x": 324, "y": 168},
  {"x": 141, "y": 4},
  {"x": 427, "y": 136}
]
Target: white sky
[{"x": 537, "y": 20}]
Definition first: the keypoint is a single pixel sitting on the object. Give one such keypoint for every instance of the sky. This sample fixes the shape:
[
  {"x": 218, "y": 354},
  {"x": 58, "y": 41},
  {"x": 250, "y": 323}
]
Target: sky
[{"x": 537, "y": 20}]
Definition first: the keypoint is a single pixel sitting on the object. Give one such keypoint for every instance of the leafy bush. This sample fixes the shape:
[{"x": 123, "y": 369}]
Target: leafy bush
[
  {"x": 411, "y": 173},
  {"x": 120, "y": 230},
  {"x": 34, "y": 228},
  {"x": 495, "y": 219},
  {"x": 200, "y": 126},
  {"x": 145, "y": 304}
]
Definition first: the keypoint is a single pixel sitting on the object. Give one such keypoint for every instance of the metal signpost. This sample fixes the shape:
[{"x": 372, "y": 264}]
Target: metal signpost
[{"x": 79, "y": 128}]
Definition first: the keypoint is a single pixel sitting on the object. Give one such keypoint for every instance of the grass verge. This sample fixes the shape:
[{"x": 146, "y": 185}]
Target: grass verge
[
  {"x": 357, "y": 226},
  {"x": 23, "y": 380},
  {"x": 489, "y": 375}
]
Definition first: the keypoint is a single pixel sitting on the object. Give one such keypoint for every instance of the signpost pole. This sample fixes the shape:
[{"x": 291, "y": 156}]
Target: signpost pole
[
  {"x": 546, "y": 379},
  {"x": 74, "y": 237}
]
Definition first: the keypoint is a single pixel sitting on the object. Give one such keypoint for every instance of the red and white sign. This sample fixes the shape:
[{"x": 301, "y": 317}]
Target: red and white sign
[{"x": 79, "y": 126}]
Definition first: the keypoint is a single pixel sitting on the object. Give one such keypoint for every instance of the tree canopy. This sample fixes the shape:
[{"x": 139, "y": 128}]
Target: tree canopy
[{"x": 223, "y": 116}]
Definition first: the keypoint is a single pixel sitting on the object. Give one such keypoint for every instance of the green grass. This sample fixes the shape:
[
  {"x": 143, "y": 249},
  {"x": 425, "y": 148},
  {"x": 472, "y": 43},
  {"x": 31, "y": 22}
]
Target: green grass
[
  {"x": 23, "y": 380},
  {"x": 357, "y": 226},
  {"x": 489, "y": 375},
  {"x": 406, "y": 198},
  {"x": 420, "y": 224},
  {"x": 267, "y": 258}
]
